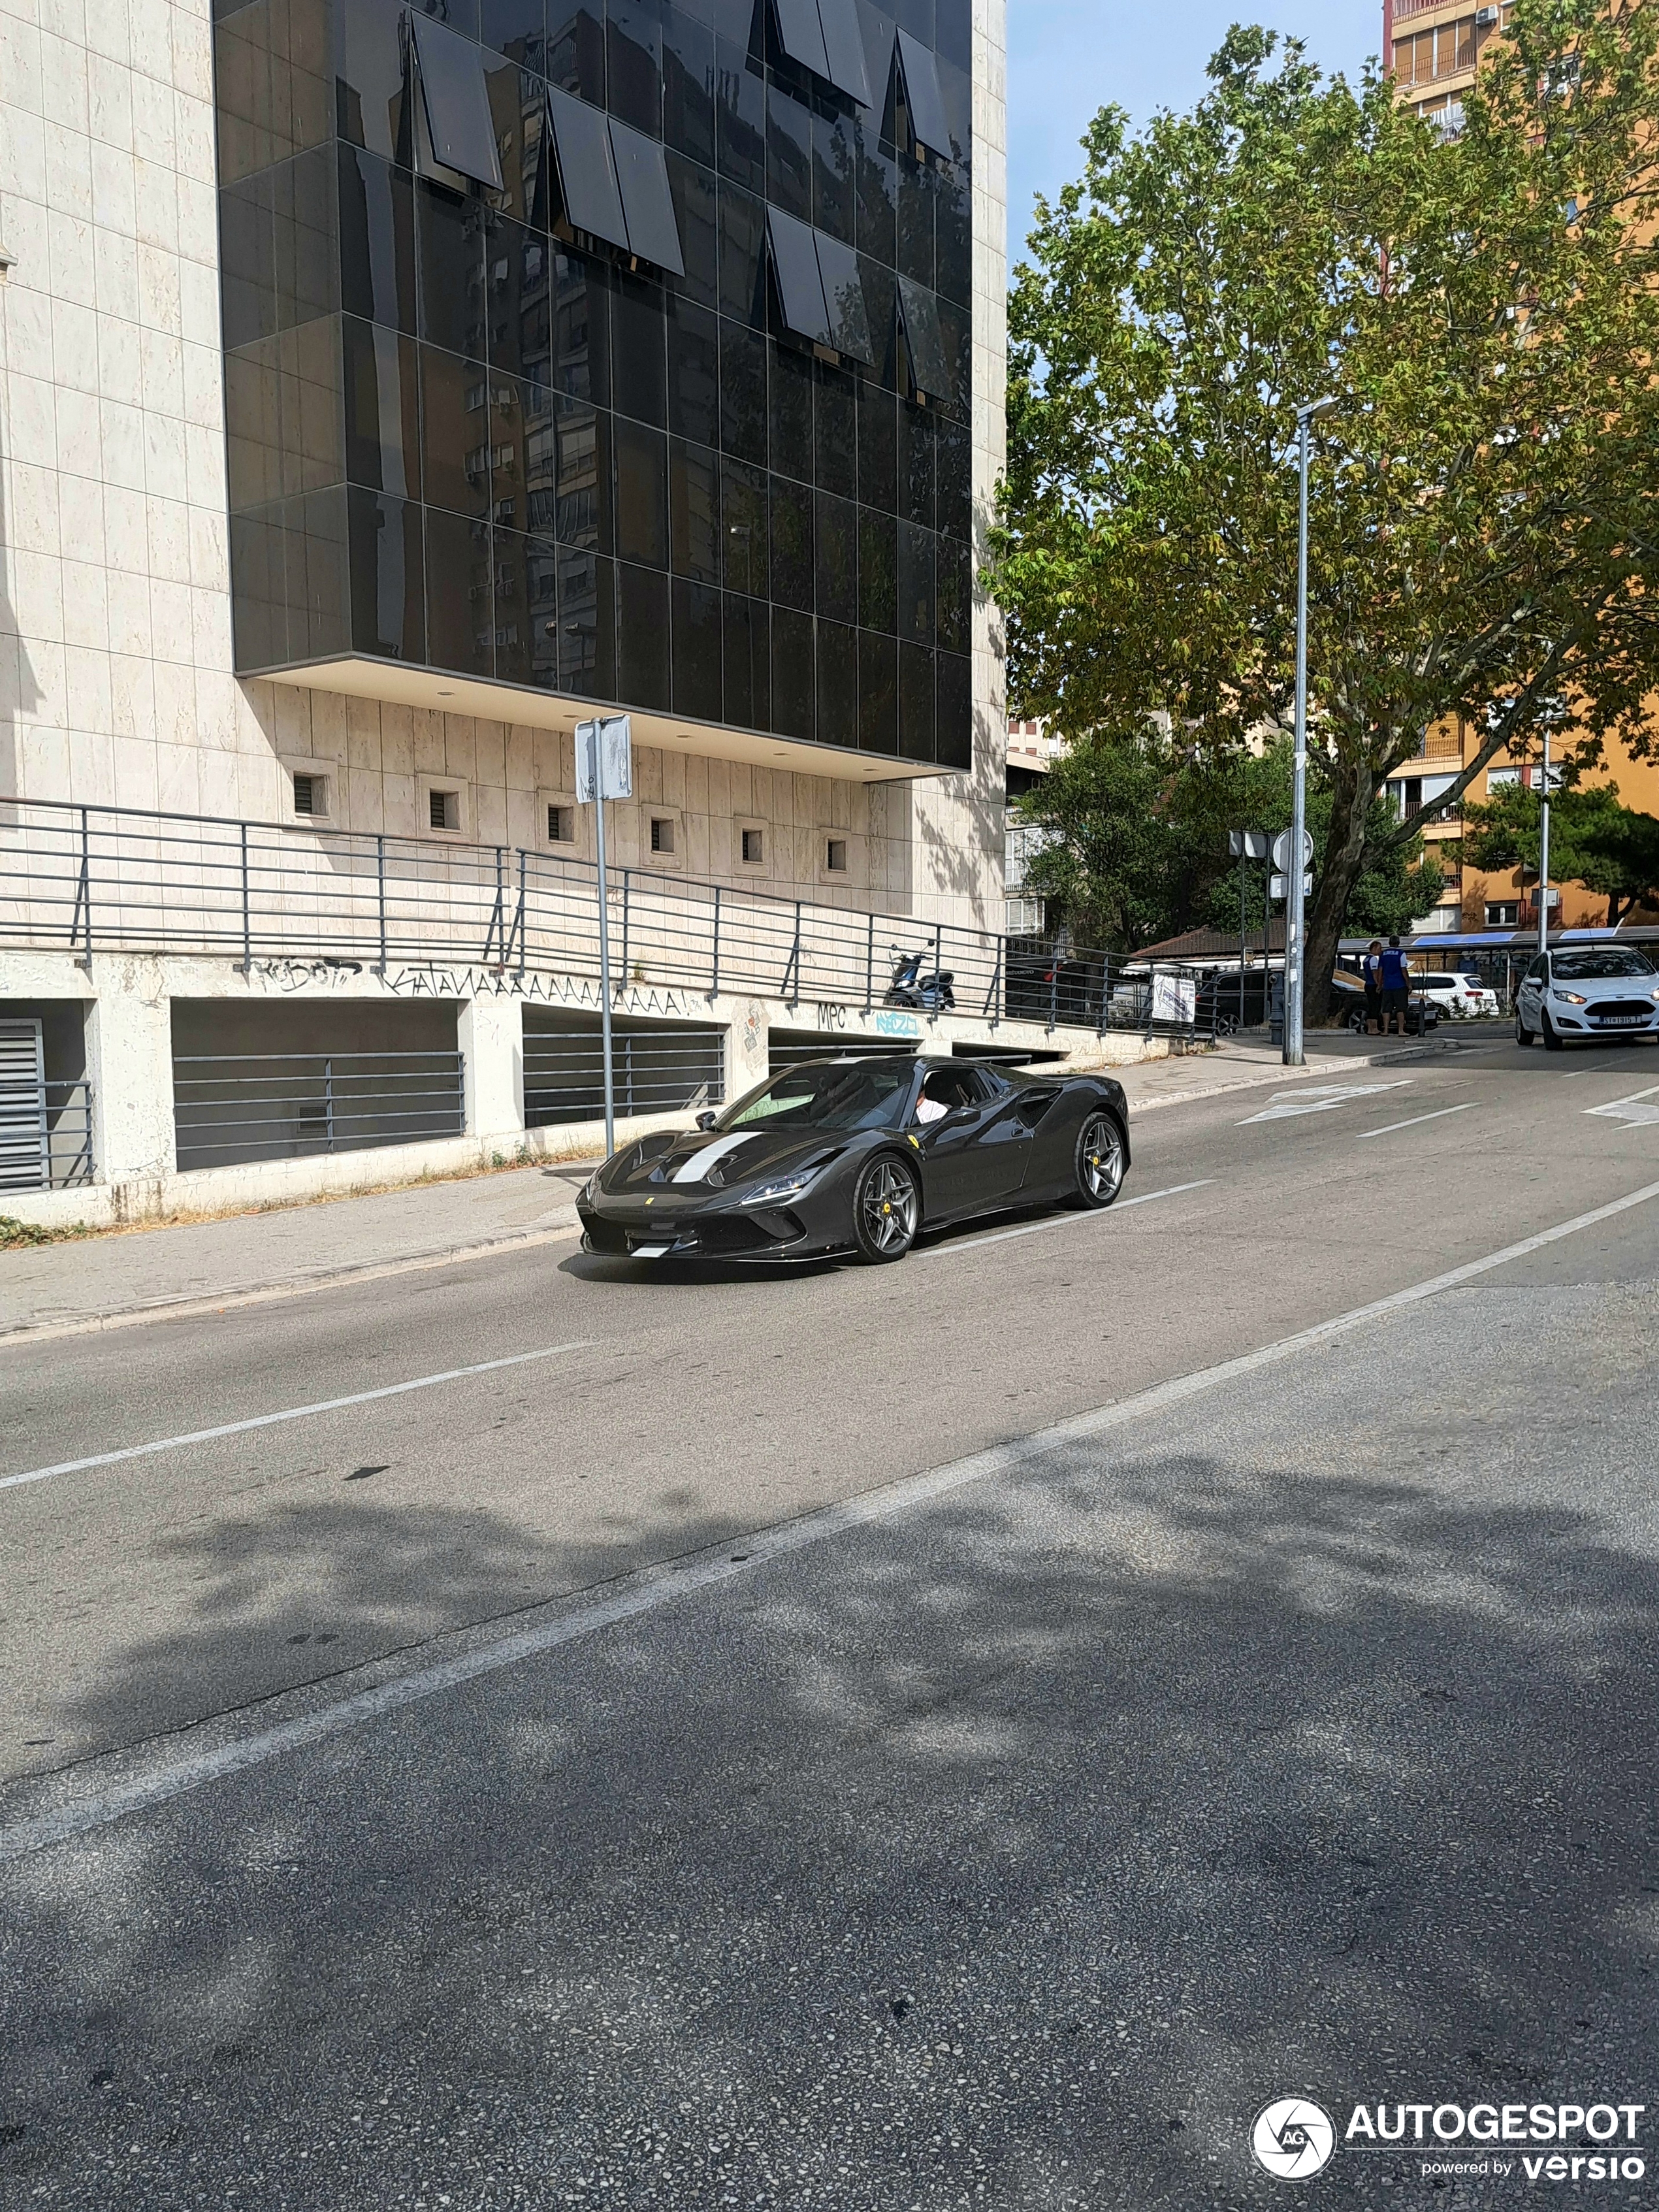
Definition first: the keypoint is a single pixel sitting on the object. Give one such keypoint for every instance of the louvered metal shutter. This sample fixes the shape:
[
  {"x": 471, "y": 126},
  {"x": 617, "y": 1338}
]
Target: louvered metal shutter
[{"x": 23, "y": 1151}]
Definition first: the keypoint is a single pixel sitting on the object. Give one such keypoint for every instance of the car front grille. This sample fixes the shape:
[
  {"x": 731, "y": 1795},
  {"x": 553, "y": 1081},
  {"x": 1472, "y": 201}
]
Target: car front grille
[{"x": 1620, "y": 1010}]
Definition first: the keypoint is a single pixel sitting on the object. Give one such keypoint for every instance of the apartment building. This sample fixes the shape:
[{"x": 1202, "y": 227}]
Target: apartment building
[{"x": 383, "y": 389}]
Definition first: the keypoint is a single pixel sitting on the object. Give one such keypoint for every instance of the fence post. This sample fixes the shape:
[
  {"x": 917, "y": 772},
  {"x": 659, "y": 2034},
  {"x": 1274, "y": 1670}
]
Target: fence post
[
  {"x": 870, "y": 965},
  {"x": 938, "y": 962},
  {"x": 628, "y": 877},
  {"x": 328, "y": 1105},
  {"x": 380, "y": 880},
  {"x": 247, "y": 934},
  {"x": 80, "y": 920},
  {"x": 715, "y": 980},
  {"x": 1053, "y": 989},
  {"x": 521, "y": 923},
  {"x": 1105, "y": 992},
  {"x": 993, "y": 997}
]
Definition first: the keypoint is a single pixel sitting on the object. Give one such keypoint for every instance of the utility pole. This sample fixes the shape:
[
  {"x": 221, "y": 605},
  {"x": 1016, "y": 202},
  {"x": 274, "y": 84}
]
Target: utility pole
[
  {"x": 1296, "y": 901},
  {"x": 1544, "y": 853}
]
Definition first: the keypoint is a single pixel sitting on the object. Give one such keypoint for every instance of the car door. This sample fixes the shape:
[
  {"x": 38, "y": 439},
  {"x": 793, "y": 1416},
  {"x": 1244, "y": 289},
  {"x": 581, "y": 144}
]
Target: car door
[
  {"x": 1529, "y": 993},
  {"x": 973, "y": 1158}
]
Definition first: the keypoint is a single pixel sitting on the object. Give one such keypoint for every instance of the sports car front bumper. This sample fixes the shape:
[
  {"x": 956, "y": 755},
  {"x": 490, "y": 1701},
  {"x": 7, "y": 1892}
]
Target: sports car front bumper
[{"x": 625, "y": 1229}]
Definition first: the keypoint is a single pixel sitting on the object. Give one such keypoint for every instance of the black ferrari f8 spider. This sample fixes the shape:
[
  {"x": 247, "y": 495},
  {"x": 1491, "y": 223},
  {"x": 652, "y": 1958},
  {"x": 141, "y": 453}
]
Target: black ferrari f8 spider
[{"x": 859, "y": 1156}]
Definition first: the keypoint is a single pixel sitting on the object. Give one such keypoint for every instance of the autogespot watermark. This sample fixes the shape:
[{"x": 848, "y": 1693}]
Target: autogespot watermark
[{"x": 1294, "y": 2138}]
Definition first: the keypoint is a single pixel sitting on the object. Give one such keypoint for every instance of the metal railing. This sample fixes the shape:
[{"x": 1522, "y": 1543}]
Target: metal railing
[
  {"x": 671, "y": 1070},
  {"x": 57, "y": 1153},
  {"x": 235, "y": 1107},
  {"x": 97, "y": 879}
]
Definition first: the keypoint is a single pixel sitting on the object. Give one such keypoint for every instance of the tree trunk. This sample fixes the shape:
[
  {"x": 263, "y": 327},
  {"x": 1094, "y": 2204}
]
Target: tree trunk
[{"x": 1352, "y": 793}]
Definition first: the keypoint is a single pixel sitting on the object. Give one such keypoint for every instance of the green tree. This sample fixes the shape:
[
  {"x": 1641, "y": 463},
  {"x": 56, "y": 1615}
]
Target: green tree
[
  {"x": 1595, "y": 840},
  {"x": 1483, "y": 307}
]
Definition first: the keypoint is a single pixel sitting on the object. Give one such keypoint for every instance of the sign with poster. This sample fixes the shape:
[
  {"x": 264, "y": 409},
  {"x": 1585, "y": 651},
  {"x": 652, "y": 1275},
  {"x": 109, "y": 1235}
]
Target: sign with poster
[
  {"x": 604, "y": 759},
  {"x": 1175, "y": 999}
]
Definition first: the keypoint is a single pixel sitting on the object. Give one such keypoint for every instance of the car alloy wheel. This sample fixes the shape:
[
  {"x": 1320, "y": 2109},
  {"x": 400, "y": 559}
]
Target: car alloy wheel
[
  {"x": 1099, "y": 1160},
  {"x": 1551, "y": 1035},
  {"x": 886, "y": 1210}
]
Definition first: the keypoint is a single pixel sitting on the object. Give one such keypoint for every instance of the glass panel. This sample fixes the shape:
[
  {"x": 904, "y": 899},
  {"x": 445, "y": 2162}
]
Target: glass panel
[
  {"x": 258, "y": 590},
  {"x": 377, "y": 241},
  {"x": 461, "y": 15},
  {"x": 953, "y": 36},
  {"x": 509, "y": 490},
  {"x": 878, "y": 447},
  {"x": 956, "y": 334},
  {"x": 454, "y": 103},
  {"x": 954, "y": 736},
  {"x": 915, "y": 465},
  {"x": 953, "y": 241},
  {"x": 633, "y": 47},
  {"x": 253, "y": 451},
  {"x": 587, "y": 625},
  {"x": 915, "y": 702},
  {"x": 953, "y": 458},
  {"x": 877, "y": 694},
  {"x": 449, "y": 263},
  {"x": 881, "y": 307},
  {"x": 641, "y": 493},
  {"x": 641, "y": 638},
  {"x": 584, "y": 516},
  {"x": 283, "y": 420},
  {"x": 843, "y": 299},
  {"x": 748, "y": 663},
  {"x": 800, "y": 33},
  {"x": 792, "y": 679},
  {"x": 382, "y": 409},
  {"x": 788, "y": 155},
  {"x": 694, "y": 511},
  {"x": 541, "y": 457},
  {"x": 647, "y": 203},
  {"x": 953, "y": 568},
  {"x": 838, "y": 684},
  {"x": 915, "y": 222},
  {"x": 511, "y": 605},
  {"x": 692, "y": 190},
  {"x": 836, "y": 431},
  {"x": 916, "y": 16},
  {"x": 687, "y": 86},
  {"x": 542, "y": 612},
  {"x": 698, "y": 688},
  {"x": 368, "y": 90},
  {"x": 639, "y": 376},
  {"x": 743, "y": 256},
  {"x": 454, "y": 432},
  {"x": 878, "y": 200},
  {"x": 837, "y": 558},
  {"x": 745, "y": 534},
  {"x": 740, "y": 118},
  {"x": 460, "y": 609},
  {"x": 575, "y": 48},
  {"x": 877, "y": 569},
  {"x": 790, "y": 414},
  {"x": 693, "y": 373},
  {"x": 832, "y": 176},
  {"x": 304, "y": 230},
  {"x": 581, "y": 328},
  {"x": 957, "y": 86},
  {"x": 915, "y": 583},
  {"x": 743, "y": 392},
  {"x": 318, "y": 580},
  {"x": 247, "y": 279},
  {"x": 930, "y": 370},
  {"x": 587, "y": 197},
  {"x": 518, "y": 108},
  {"x": 792, "y": 544},
  {"x": 843, "y": 49},
  {"x": 516, "y": 28},
  {"x": 922, "y": 95},
  {"x": 516, "y": 262}
]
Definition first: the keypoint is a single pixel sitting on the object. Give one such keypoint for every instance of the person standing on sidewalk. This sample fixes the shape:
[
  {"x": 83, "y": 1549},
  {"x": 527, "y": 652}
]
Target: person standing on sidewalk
[
  {"x": 1396, "y": 989},
  {"x": 1370, "y": 968}
]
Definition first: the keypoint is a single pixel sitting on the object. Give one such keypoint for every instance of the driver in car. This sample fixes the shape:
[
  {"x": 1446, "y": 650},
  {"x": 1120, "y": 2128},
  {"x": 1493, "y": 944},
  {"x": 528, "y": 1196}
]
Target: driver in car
[{"x": 939, "y": 1094}]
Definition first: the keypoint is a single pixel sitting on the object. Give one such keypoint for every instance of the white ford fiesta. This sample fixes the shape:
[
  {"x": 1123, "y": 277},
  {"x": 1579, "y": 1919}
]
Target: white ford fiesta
[{"x": 1582, "y": 991}]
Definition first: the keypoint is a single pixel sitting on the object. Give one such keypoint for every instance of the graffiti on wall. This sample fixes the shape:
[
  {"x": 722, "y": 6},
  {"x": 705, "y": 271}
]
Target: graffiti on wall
[{"x": 422, "y": 983}]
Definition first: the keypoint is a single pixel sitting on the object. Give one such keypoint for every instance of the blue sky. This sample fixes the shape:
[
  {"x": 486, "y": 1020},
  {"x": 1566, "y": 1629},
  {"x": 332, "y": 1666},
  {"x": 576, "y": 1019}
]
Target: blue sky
[{"x": 1068, "y": 59}]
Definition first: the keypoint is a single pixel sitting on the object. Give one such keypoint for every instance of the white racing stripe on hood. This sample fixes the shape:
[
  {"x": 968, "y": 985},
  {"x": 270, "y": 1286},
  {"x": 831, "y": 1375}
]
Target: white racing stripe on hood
[{"x": 696, "y": 1169}]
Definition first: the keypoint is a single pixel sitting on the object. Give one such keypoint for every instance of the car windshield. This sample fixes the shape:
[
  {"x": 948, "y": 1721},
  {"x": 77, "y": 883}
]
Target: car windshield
[
  {"x": 1595, "y": 965},
  {"x": 829, "y": 1095}
]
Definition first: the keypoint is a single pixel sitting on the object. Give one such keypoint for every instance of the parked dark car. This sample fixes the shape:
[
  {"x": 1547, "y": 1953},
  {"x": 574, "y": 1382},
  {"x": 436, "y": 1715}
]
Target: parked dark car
[
  {"x": 1348, "y": 1006},
  {"x": 859, "y": 1155},
  {"x": 1222, "y": 1007}
]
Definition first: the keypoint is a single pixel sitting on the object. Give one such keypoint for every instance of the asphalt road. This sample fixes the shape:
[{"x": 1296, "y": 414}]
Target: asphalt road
[{"x": 630, "y": 1777}]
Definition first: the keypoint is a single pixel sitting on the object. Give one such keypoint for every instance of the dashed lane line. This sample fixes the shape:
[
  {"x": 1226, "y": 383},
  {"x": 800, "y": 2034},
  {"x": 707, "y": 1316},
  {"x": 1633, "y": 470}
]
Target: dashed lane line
[
  {"x": 1439, "y": 1114},
  {"x": 1062, "y": 1221}
]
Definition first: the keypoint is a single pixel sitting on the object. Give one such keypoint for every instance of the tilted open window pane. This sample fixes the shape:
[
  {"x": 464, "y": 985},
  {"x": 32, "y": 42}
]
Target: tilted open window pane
[
  {"x": 801, "y": 35},
  {"x": 800, "y": 285},
  {"x": 843, "y": 299},
  {"x": 455, "y": 102},
  {"x": 588, "y": 169},
  {"x": 843, "y": 49},
  {"x": 922, "y": 97},
  {"x": 647, "y": 203},
  {"x": 929, "y": 370}
]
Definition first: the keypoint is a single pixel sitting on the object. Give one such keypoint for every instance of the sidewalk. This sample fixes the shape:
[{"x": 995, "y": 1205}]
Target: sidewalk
[{"x": 117, "y": 1278}]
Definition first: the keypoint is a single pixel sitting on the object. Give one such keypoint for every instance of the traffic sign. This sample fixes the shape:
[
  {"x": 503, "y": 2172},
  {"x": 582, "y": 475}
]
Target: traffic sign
[
  {"x": 1282, "y": 852},
  {"x": 1278, "y": 886},
  {"x": 604, "y": 759}
]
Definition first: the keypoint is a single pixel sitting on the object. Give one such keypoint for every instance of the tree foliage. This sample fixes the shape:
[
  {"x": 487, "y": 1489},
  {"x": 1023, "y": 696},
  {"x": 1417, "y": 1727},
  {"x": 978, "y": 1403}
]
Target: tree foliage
[
  {"x": 1595, "y": 840},
  {"x": 1137, "y": 850},
  {"x": 1483, "y": 307}
]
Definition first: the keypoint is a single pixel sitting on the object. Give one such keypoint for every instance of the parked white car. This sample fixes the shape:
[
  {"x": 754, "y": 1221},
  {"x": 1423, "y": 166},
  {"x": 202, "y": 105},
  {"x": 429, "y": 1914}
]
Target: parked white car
[
  {"x": 1460, "y": 996},
  {"x": 1586, "y": 990}
]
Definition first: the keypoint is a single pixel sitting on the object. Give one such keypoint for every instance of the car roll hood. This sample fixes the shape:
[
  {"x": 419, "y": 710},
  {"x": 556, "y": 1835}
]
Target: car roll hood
[{"x": 696, "y": 1165}]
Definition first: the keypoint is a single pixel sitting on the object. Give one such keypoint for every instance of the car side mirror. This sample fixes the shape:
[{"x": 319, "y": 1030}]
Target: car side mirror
[{"x": 707, "y": 1118}]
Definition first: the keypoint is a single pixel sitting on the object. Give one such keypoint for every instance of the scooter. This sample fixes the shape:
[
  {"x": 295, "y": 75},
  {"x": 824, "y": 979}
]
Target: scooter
[{"x": 930, "y": 994}]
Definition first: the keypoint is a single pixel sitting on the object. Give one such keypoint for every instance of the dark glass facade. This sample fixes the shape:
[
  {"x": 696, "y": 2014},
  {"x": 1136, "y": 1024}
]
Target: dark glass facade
[{"x": 464, "y": 435}]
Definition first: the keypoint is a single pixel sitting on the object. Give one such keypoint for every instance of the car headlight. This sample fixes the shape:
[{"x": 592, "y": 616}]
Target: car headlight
[
  {"x": 1572, "y": 997},
  {"x": 787, "y": 1187},
  {"x": 590, "y": 1189}
]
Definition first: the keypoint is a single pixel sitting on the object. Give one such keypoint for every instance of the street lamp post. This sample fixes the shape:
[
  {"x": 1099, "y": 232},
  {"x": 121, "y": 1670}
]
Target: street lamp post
[{"x": 1296, "y": 900}]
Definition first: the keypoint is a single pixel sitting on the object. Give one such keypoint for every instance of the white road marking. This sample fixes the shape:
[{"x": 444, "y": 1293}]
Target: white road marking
[
  {"x": 1438, "y": 1114},
  {"x": 1629, "y": 1109},
  {"x": 289, "y": 1414},
  {"x": 1060, "y": 1221},
  {"x": 659, "y": 1586},
  {"x": 1320, "y": 1098}
]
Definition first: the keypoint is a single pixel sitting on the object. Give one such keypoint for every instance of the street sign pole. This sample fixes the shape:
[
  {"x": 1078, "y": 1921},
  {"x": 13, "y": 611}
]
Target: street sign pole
[
  {"x": 1544, "y": 853},
  {"x": 1295, "y": 903},
  {"x": 605, "y": 769}
]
